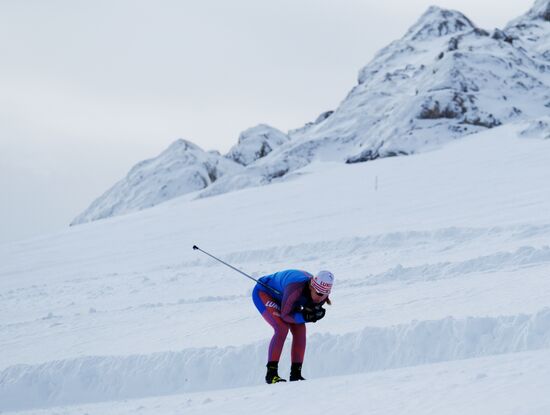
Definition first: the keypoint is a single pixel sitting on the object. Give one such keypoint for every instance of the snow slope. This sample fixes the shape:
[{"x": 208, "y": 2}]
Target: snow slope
[{"x": 441, "y": 302}]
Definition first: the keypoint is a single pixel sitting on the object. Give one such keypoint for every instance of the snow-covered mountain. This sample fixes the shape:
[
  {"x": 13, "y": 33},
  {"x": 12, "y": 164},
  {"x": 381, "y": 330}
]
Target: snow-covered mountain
[
  {"x": 531, "y": 33},
  {"x": 444, "y": 79},
  {"x": 182, "y": 168}
]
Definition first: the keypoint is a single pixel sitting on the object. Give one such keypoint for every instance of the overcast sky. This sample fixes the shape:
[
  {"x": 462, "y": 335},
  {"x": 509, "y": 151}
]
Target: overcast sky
[{"x": 89, "y": 88}]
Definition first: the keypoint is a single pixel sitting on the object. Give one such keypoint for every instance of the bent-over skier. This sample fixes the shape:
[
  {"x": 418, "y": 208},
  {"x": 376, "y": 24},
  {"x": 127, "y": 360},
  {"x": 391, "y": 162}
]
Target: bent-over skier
[{"x": 295, "y": 298}]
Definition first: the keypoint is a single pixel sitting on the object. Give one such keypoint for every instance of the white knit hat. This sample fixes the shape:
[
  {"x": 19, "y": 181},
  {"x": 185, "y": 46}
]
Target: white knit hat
[{"x": 322, "y": 282}]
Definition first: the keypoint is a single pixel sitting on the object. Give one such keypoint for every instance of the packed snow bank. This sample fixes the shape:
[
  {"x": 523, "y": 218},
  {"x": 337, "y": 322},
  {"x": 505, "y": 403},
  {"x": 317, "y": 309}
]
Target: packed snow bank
[
  {"x": 510, "y": 384},
  {"x": 99, "y": 378}
]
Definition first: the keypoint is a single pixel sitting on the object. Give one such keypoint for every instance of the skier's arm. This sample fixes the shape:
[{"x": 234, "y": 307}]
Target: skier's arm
[{"x": 291, "y": 295}]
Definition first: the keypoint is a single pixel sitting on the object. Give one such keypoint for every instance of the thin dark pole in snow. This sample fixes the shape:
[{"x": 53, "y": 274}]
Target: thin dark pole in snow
[{"x": 195, "y": 247}]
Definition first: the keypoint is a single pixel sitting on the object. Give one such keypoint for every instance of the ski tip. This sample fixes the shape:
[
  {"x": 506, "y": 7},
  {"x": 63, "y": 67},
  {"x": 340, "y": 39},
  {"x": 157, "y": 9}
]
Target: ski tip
[{"x": 195, "y": 247}]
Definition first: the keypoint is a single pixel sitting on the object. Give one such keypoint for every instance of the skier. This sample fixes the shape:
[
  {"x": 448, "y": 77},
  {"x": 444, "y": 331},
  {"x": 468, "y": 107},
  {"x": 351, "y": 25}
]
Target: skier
[{"x": 287, "y": 300}]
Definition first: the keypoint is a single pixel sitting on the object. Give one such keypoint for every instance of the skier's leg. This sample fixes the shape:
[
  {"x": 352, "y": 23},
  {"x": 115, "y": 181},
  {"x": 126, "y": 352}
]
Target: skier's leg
[
  {"x": 280, "y": 328},
  {"x": 298, "y": 350},
  {"x": 298, "y": 342},
  {"x": 269, "y": 310}
]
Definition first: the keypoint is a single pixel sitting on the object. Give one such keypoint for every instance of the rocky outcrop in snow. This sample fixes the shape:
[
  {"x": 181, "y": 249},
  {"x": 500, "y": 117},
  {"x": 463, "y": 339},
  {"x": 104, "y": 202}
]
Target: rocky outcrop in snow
[
  {"x": 182, "y": 168},
  {"x": 539, "y": 128},
  {"x": 255, "y": 143},
  {"x": 531, "y": 32},
  {"x": 444, "y": 79},
  {"x": 539, "y": 12}
]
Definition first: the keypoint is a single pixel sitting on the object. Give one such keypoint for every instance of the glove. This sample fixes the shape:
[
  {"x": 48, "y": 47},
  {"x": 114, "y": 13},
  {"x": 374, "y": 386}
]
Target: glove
[{"x": 311, "y": 315}]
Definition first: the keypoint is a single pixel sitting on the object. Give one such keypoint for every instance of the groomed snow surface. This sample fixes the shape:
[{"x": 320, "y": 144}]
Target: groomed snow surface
[{"x": 441, "y": 302}]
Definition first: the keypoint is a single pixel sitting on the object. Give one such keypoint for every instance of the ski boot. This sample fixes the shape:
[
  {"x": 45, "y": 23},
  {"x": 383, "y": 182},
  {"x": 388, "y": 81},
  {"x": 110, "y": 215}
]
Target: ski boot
[
  {"x": 272, "y": 375},
  {"x": 296, "y": 372}
]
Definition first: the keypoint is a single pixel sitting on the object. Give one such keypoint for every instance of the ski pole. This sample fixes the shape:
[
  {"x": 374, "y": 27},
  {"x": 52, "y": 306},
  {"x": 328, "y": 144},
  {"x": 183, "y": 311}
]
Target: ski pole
[{"x": 195, "y": 247}]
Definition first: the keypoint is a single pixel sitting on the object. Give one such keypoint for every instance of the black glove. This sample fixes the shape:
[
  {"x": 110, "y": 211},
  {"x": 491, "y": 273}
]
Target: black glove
[{"x": 312, "y": 314}]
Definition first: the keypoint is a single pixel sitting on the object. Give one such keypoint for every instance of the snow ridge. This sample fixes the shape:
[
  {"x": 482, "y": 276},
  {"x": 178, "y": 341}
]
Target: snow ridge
[
  {"x": 524, "y": 256},
  {"x": 363, "y": 246},
  {"x": 102, "y": 378}
]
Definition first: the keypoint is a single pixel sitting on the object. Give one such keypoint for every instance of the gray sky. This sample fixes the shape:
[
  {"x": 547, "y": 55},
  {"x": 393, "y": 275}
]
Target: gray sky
[{"x": 89, "y": 88}]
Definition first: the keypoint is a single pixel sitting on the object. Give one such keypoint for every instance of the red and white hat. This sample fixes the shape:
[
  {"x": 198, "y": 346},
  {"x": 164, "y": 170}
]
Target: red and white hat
[{"x": 322, "y": 282}]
